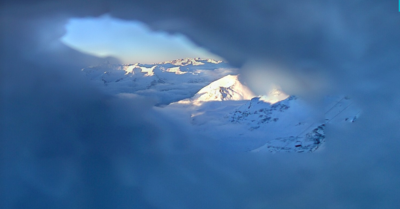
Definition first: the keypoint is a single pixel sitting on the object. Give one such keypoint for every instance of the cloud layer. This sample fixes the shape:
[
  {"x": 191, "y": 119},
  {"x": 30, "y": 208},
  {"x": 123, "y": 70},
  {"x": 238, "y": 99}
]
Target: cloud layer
[{"x": 64, "y": 144}]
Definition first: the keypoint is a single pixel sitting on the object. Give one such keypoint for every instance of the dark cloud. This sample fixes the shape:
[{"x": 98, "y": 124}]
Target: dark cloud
[{"x": 66, "y": 145}]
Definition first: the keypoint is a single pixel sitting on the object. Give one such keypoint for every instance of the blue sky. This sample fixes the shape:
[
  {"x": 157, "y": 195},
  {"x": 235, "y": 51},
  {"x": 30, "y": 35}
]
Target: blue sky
[{"x": 129, "y": 41}]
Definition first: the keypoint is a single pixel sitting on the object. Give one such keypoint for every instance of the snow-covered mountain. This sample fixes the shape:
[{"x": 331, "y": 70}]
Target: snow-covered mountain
[
  {"x": 221, "y": 108},
  {"x": 228, "y": 111},
  {"x": 166, "y": 82},
  {"x": 257, "y": 112},
  {"x": 304, "y": 126},
  {"x": 224, "y": 89},
  {"x": 192, "y": 61}
]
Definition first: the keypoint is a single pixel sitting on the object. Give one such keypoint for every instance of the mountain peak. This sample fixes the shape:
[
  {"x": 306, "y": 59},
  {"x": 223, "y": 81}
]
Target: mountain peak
[
  {"x": 191, "y": 61},
  {"x": 226, "y": 88},
  {"x": 274, "y": 95}
]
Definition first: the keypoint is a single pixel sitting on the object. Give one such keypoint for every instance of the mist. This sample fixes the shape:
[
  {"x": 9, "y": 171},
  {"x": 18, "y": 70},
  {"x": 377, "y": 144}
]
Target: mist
[{"x": 66, "y": 144}]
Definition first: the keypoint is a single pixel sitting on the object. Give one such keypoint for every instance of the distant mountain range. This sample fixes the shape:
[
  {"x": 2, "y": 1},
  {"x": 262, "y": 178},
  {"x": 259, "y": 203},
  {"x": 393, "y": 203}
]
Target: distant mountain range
[
  {"x": 221, "y": 108},
  {"x": 165, "y": 82}
]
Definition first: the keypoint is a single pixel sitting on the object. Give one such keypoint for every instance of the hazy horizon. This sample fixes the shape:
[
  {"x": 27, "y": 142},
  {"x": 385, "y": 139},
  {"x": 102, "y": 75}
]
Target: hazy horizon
[{"x": 129, "y": 41}]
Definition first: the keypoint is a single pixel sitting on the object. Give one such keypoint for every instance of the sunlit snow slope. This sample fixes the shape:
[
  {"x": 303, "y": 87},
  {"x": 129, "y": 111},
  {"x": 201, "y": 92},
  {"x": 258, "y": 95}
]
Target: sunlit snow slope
[{"x": 224, "y": 89}]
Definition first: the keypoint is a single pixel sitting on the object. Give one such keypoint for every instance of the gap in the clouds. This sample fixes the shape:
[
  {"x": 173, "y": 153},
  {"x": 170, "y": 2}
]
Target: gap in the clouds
[
  {"x": 128, "y": 41},
  {"x": 206, "y": 94}
]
